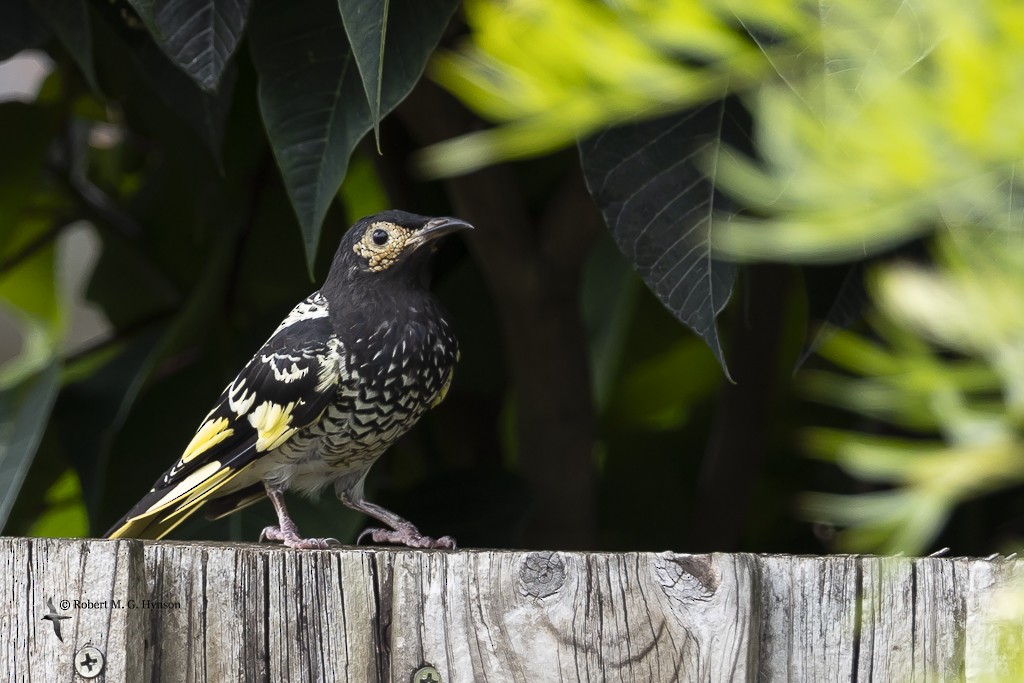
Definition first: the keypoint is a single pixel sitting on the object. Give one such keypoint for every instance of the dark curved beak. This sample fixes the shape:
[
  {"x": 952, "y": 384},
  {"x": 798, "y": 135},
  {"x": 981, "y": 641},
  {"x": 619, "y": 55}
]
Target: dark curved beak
[{"x": 436, "y": 228}]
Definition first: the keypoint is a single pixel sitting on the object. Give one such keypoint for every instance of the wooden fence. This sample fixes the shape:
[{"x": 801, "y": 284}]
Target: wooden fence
[{"x": 166, "y": 611}]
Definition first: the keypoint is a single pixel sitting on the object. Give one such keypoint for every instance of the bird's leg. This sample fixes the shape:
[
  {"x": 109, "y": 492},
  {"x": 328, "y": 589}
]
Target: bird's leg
[
  {"x": 402, "y": 531},
  {"x": 287, "y": 532}
]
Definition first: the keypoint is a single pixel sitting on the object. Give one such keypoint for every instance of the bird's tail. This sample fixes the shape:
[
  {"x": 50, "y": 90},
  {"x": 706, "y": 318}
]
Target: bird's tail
[{"x": 162, "y": 509}]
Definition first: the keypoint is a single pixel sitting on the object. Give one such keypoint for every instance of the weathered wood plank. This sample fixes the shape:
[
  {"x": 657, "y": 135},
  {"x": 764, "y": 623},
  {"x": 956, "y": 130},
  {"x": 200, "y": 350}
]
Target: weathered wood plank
[
  {"x": 571, "y": 616},
  {"x": 267, "y": 614},
  {"x": 799, "y": 645},
  {"x": 84, "y": 580},
  {"x": 245, "y": 612},
  {"x": 994, "y": 599}
]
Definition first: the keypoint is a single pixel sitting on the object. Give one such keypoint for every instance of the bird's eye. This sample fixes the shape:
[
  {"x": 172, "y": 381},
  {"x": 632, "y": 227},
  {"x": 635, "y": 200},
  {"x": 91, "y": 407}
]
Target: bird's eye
[{"x": 380, "y": 237}]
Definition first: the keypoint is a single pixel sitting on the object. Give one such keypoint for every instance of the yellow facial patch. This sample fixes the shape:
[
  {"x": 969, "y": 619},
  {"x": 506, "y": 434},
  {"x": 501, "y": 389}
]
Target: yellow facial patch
[
  {"x": 209, "y": 435},
  {"x": 382, "y": 244},
  {"x": 272, "y": 423}
]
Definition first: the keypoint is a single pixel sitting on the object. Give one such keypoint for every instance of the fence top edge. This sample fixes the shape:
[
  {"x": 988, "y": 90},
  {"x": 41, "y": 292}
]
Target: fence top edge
[{"x": 13, "y": 541}]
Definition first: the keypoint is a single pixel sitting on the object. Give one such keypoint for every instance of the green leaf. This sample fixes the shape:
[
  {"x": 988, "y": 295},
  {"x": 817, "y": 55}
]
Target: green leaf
[
  {"x": 20, "y": 28},
  {"x": 849, "y": 299},
  {"x": 362, "y": 192},
  {"x": 145, "y": 9},
  {"x": 64, "y": 515},
  {"x": 366, "y": 24},
  {"x": 69, "y": 19},
  {"x": 415, "y": 27},
  {"x": 661, "y": 208},
  {"x": 314, "y": 103},
  {"x": 199, "y": 36},
  {"x": 24, "y": 155},
  {"x": 206, "y": 112},
  {"x": 201, "y": 313},
  {"x": 608, "y": 299},
  {"x": 24, "y": 410},
  {"x": 651, "y": 395},
  {"x": 85, "y": 414},
  {"x": 28, "y": 289}
]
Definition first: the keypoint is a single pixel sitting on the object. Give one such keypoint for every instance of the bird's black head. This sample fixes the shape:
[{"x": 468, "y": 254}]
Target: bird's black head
[{"x": 391, "y": 245}]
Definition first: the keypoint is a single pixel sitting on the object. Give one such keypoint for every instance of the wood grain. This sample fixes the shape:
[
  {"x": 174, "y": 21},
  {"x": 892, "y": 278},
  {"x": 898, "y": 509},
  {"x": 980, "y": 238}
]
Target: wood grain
[{"x": 226, "y": 612}]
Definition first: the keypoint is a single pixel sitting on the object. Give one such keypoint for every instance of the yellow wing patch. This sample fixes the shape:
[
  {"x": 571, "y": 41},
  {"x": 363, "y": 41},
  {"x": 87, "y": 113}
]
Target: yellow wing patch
[
  {"x": 444, "y": 389},
  {"x": 272, "y": 423},
  {"x": 209, "y": 435},
  {"x": 203, "y": 479}
]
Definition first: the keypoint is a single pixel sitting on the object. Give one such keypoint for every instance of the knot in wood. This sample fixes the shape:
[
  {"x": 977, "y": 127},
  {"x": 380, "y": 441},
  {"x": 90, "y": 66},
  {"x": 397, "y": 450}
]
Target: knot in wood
[
  {"x": 542, "y": 574},
  {"x": 686, "y": 578}
]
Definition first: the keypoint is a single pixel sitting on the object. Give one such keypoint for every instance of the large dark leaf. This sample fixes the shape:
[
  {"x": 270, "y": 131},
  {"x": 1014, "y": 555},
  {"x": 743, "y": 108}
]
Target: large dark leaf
[
  {"x": 650, "y": 182},
  {"x": 20, "y": 28},
  {"x": 206, "y": 112},
  {"x": 69, "y": 19},
  {"x": 366, "y": 24},
  {"x": 314, "y": 103},
  {"x": 198, "y": 35},
  {"x": 414, "y": 27},
  {"x": 24, "y": 410}
]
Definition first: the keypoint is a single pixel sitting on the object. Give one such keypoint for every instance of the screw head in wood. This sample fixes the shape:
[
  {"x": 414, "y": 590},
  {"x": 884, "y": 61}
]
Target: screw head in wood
[
  {"x": 426, "y": 674},
  {"x": 88, "y": 662}
]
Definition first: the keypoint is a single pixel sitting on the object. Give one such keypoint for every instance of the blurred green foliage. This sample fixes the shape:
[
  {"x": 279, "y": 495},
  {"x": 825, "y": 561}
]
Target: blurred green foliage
[
  {"x": 875, "y": 119},
  {"x": 946, "y": 369},
  {"x": 874, "y": 123}
]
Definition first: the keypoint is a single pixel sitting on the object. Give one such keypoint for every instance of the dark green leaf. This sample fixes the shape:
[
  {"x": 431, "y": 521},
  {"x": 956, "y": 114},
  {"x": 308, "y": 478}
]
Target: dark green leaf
[
  {"x": 20, "y": 28},
  {"x": 389, "y": 68},
  {"x": 313, "y": 100},
  {"x": 144, "y": 8},
  {"x": 193, "y": 324},
  {"x": 64, "y": 515},
  {"x": 69, "y": 19},
  {"x": 849, "y": 299},
  {"x": 608, "y": 298},
  {"x": 366, "y": 24},
  {"x": 206, "y": 112},
  {"x": 415, "y": 26},
  {"x": 660, "y": 207},
  {"x": 28, "y": 281},
  {"x": 200, "y": 36},
  {"x": 24, "y": 155},
  {"x": 24, "y": 410},
  {"x": 86, "y": 413},
  {"x": 651, "y": 395}
]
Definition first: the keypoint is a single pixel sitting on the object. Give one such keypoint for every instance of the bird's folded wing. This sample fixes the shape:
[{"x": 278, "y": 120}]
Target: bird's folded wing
[{"x": 287, "y": 385}]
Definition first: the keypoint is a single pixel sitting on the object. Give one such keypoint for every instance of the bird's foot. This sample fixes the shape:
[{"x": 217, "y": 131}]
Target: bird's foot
[
  {"x": 407, "y": 535},
  {"x": 289, "y": 536}
]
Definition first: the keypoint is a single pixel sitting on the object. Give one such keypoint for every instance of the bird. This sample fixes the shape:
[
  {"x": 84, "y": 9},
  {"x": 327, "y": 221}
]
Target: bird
[
  {"x": 55, "y": 618},
  {"x": 348, "y": 371}
]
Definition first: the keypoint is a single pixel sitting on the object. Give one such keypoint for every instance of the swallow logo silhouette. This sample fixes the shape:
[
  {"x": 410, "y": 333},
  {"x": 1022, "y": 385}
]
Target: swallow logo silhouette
[{"x": 55, "y": 618}]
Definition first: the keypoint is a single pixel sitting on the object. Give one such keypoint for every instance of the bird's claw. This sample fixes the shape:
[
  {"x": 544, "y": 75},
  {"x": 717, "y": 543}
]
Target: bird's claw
[
  {"x": 408, "y": 536},
  {"x": 291, "y": 539}
]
